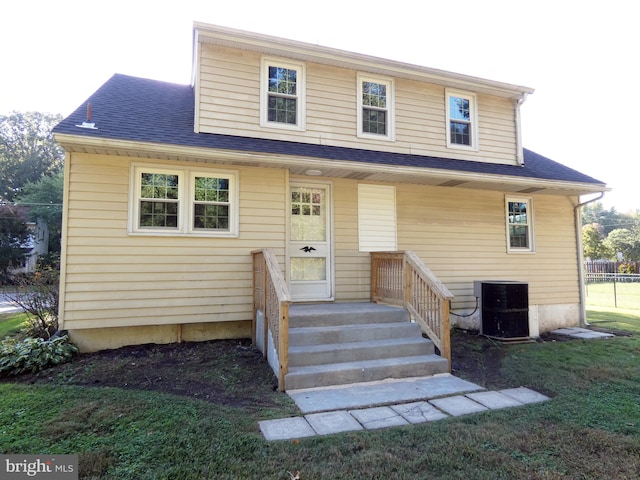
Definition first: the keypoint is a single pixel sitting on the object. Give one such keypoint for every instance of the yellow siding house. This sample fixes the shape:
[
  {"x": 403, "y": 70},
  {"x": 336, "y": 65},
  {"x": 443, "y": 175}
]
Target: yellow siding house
[{"x": 321, "y": 157}]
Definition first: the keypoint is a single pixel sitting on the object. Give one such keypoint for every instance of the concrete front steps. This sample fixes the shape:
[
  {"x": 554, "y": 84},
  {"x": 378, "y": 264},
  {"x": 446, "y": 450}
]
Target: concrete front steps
[{"x": 344, "y": 343}]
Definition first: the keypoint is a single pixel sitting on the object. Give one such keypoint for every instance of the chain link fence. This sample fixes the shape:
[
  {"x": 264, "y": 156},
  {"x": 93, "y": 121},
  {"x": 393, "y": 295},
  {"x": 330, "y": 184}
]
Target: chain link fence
[{"x": 618, "y": 290}]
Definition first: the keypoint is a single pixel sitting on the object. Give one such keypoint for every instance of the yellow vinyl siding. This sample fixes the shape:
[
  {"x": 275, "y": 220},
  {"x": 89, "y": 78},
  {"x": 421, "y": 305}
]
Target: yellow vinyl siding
[
  {"x": 116, "y": 279},
  {"x": 229, "y": 96},
  {"x": 351, "y": 266},
  {"x": 460, "y": 234}
]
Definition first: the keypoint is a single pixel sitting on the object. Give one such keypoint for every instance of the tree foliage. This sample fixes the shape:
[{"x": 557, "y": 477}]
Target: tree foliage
[
  {"x": 593, "y": 242},
  {"x": 27, "y": 151},
  {"x": 44, "y": 200},
  {"x": 14, "y": 239},
  {"x": 626, "y": 242}
]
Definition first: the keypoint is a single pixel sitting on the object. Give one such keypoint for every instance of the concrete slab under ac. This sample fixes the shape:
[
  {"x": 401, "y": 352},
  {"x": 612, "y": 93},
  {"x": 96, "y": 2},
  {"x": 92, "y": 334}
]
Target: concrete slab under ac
[{"x": 583, "y": 333}]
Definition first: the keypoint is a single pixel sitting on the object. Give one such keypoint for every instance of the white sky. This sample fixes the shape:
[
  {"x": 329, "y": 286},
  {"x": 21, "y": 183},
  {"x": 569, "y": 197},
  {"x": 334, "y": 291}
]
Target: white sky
[{"x": 580, "y": 56}]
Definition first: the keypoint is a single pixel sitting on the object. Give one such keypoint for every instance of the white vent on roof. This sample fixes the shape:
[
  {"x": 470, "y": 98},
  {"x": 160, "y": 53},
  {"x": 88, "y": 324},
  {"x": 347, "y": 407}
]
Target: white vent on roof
[{"x": 88, "y": 124}]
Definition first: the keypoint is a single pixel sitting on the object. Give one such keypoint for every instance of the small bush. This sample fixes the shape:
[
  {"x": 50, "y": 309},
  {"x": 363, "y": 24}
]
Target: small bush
[
  {"x": 626, "y": 268},
  {"x": 34, "y": 354},
  {"x": 37, "y": 294}
]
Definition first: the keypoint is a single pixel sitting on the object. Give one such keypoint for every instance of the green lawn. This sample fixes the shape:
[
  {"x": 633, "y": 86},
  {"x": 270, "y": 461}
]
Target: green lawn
[
  {"x": 608, "y": 294},
  {"x": 589, "y": 430},
  {"x": 11, "y": 323}
]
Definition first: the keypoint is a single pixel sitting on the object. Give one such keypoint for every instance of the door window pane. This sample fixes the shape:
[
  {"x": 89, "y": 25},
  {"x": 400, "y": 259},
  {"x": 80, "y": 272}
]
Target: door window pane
[
  {"x": 308, "y": 215},
  {"x": 308, "y": 269}
]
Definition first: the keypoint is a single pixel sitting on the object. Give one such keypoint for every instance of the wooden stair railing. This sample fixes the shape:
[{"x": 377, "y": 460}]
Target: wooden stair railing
[
  {"x": 271, "y": 297},
  {"x": 401, "y": 278}
]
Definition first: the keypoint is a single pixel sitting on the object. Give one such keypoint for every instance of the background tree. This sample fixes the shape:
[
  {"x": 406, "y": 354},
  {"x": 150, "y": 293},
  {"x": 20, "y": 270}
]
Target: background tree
[
  {"x": 626, "y": 242},
  {"x": 593, "y": 243},
  {"x": 609, "y": 219},
  {"x": 14, "y": 239},
  {"x": 44, "y": 200},
  {"x": 27, "y": 151}
]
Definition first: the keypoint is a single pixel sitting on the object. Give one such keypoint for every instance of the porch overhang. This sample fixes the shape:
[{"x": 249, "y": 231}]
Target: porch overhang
[{"x": 302, "y": 165}]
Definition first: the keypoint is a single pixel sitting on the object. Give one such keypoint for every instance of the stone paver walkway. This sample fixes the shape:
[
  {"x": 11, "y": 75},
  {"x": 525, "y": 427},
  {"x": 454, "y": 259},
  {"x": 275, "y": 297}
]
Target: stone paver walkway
[{"x": 474, "y": 399}]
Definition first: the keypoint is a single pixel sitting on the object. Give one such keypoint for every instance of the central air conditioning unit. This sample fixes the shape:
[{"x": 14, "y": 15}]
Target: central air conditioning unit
[{"x": 504, "y": 308}]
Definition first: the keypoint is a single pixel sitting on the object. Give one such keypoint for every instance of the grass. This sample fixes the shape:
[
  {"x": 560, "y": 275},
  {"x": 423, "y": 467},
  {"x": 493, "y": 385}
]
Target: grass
[
  {"x": 590, "y": 429},
  {"x": 624, "y": 295},
  {"x": 11, "y": 323}
]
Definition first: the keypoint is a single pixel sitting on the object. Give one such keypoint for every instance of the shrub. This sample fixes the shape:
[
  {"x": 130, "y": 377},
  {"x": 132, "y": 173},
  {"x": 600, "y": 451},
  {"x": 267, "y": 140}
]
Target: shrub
[
  {"x": 34, "y": 354},
  {"x": 627, "y": 268},
  {"x": 37, "y": 295}
]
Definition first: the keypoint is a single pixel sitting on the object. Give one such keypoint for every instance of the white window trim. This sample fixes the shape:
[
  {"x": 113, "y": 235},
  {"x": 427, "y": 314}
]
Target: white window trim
[
  {"x": 301, "y": 93},
  {"x": 391, "y": 126},
  {"x": 530, "y": 230},
  {"x": 186, "y": 203},
  {"x": 473, "y": 106}
]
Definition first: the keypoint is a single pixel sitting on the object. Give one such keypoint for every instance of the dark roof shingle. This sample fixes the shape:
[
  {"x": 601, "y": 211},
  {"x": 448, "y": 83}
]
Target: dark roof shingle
[{"x": 138, "y": 109}]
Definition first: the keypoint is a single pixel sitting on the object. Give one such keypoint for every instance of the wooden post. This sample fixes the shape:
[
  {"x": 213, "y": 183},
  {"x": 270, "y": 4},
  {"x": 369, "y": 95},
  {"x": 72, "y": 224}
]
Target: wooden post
[
  {"x": 255, "y": 303},
  {"x": 445, "y": 331},
  {"x": 407, "y": 282},
  {"x": 374, "y": 277},
  {"x": 283, "y": 348}
]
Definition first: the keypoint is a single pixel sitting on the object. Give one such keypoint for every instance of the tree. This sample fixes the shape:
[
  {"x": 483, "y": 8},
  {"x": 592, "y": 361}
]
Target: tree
[
  {"x": 608, "y": 219},
  {"x": 14, "y": 239},
  {"x": 27, "y": 151},
  {"x": 44, "y": 200},
  {"x": 625, "y": 242},
  {"x": 593, "y": 243}
]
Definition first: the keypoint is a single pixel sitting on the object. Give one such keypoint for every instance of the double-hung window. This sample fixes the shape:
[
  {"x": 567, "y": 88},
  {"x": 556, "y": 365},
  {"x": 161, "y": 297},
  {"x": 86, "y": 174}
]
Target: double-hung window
[
  {"x": 462, "y": 131},
  {"x": 519, "y": 213},
  {"x": 282, "y": 93},
  {"x": 375, "y": 108},
  {"x": 169, "y": 201}
]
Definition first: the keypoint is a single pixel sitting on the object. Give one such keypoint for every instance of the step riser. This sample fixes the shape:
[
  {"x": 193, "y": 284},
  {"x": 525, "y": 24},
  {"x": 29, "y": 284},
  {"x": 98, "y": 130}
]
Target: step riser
[
  {"x": 296, "y": 381},
  {"x": 357, "y": 333},
  {"x": 327, "y": 354},
  {"x": 337, "y": 315},
  {"x": 337, "y": 344}
]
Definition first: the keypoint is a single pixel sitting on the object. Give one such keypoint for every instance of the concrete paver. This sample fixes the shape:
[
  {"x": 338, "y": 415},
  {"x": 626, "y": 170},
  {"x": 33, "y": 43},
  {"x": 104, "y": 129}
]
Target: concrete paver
[
  {"x": 286, "y": 428},
  {"x": 458, "y": 405},
  {"x": 333, "y": 422},
  {"x": 404, "y": 413},
  {"x": 494, "y": 400},
  {"x": 584, "y": 333},
  {"x": 378, "y": 417},
  {"x": 379, "y": 393},
  {"x": 390, "y": 403},
  {"x": 525, "y": 395},
  {"x": 419, "y": 412}
]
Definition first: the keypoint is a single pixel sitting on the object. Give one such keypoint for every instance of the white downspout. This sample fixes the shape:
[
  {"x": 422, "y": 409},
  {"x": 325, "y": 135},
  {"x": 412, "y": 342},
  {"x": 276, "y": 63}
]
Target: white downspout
[
  {"x": 578, "y": 220},
  {"x": 518, "y": 121}
]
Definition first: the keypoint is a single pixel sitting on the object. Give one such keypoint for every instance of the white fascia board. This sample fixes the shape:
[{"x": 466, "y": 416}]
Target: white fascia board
[{"x": 162, "y": 150}]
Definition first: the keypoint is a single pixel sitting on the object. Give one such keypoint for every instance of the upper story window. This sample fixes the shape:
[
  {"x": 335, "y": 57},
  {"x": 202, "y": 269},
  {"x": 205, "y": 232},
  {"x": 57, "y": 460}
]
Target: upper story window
[
  {"x": 519, "y": 212},
  {"x": 282, "y": 93},
  {"x": 182, "y": 201},
  {"x": 375, "y": 108},
  {"x": 461, "y": 120}
]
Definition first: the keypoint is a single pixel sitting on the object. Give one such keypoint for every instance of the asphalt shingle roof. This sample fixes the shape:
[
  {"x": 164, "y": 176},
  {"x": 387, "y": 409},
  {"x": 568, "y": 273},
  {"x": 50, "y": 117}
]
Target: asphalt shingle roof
[{"x": 138, "y": 109}]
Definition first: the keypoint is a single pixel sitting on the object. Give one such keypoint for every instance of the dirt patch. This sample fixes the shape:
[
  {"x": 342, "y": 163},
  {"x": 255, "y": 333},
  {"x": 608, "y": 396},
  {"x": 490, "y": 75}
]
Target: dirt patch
[
  {"x": 225, "y": 372},
  {"x": 232, "y": 372}
]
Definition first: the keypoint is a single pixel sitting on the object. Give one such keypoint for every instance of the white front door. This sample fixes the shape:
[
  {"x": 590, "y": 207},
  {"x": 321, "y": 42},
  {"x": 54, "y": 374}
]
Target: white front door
[{"x": 310, "y": 249}]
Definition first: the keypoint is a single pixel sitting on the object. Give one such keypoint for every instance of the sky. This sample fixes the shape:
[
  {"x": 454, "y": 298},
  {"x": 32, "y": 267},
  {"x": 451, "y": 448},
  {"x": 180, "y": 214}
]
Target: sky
[{"x": 580, "y": 56}]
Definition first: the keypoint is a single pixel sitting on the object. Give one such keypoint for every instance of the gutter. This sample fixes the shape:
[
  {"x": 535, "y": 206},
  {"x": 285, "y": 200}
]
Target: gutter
[
  {"x": 518, "y": 120},
  {"x": 581, "y": 282}
]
